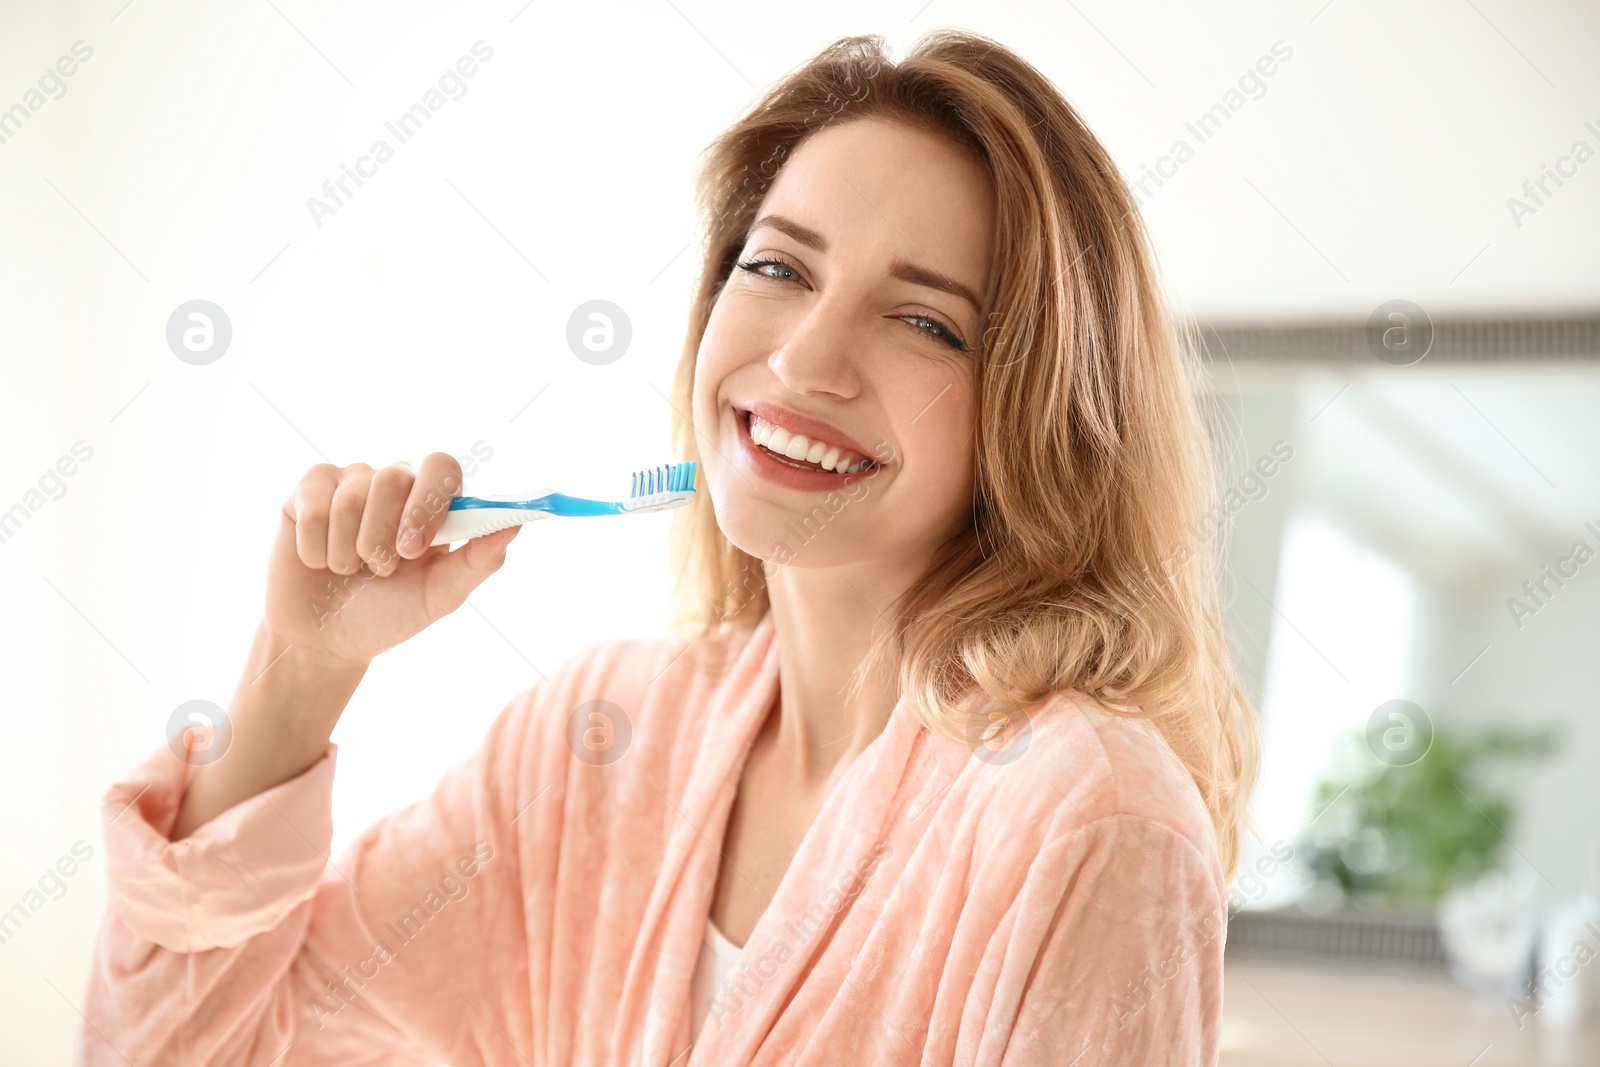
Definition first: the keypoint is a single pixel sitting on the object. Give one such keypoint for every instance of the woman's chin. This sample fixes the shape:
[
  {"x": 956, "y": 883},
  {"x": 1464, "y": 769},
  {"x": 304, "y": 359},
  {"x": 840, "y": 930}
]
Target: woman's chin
[{"x": 762, "y": 538}]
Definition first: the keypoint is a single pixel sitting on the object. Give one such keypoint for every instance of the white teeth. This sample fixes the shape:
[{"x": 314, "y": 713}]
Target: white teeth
[{"x": 800, "y": 447}]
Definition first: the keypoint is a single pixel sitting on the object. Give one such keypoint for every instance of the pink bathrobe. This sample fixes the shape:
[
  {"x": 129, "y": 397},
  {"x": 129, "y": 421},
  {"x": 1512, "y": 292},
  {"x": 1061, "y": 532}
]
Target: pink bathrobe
[{"x": 1059, "y": 901}]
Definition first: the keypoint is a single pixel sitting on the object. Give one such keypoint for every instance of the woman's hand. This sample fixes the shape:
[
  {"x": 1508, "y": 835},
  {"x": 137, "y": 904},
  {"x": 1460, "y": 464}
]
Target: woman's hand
[{"x": 345, "y": 583}]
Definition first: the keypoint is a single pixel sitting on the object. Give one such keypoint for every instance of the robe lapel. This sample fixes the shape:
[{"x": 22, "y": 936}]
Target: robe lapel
[
  {"x": 653, "y": 1016},
  {"x": 800, "y": 921}
]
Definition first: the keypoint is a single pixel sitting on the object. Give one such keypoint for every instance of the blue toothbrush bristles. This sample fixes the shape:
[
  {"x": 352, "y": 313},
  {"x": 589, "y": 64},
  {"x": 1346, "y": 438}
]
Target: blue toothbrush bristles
[{"x": 674, "y": 478}]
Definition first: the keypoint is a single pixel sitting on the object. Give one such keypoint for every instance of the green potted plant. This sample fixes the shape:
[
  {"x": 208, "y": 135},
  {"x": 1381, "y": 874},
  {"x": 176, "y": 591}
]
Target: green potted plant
[
  {"x": 1399, "y": 837},
  {"x": 1424, "y": 841}
]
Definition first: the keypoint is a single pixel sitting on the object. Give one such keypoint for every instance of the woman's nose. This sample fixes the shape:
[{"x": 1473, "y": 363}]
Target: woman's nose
[{"x": 822, "y": 353}]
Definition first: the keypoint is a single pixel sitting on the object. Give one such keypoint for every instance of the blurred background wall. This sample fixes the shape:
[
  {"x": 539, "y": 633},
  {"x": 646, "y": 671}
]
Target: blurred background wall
[{"x": 1356, "y": 154}]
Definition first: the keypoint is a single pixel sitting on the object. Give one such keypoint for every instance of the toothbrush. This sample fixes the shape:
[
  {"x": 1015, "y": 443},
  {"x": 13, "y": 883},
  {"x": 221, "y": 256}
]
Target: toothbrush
[{"x": 659, "y": 489}]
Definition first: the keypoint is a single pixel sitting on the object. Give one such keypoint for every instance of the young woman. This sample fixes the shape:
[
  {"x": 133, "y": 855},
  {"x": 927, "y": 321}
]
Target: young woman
[{"x": 948, "y": 765}]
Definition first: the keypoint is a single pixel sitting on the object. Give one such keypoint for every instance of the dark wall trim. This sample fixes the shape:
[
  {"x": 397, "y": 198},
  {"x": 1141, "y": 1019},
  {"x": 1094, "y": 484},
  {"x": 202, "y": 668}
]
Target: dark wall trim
[
  {"x": 1483, "y": 341},
  {"x": 1344, "y": 937}
]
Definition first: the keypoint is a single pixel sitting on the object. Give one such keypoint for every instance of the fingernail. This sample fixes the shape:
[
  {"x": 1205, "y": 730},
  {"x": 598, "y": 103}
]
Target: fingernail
[{"x": 409, "y": 538}]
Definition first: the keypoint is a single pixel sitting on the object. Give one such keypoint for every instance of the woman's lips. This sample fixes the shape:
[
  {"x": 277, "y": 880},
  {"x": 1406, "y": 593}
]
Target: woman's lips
[
  {"x": 805, "y": 452},
  {"x": 781, "y": 471},
  {"x": 796, "y": 423}
]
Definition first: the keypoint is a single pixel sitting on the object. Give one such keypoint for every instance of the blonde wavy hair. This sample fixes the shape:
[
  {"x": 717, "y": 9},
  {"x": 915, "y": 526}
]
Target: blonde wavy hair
[{"x": 1087, "y": 565}]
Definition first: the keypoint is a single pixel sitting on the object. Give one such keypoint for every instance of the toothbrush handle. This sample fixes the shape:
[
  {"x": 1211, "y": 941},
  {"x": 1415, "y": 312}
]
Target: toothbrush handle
[{"x": 463, "y": 525}]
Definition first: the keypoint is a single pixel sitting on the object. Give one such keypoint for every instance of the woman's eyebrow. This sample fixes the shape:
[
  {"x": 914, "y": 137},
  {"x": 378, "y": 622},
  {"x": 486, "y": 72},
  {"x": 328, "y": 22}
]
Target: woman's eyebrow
[
  {"x": 902, "y": 269},
  {"x": 804, "y": 234}
]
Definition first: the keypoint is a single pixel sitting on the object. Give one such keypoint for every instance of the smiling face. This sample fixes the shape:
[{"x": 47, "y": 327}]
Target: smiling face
[{"x": 851, "y": 321}]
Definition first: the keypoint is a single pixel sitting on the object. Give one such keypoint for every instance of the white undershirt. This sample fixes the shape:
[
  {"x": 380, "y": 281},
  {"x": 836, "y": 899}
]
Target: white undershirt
[{"x": 717, "y": 957}]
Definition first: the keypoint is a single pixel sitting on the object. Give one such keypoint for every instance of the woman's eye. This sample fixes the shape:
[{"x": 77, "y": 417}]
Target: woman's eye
[
  {"x": 938, "y": 330},
  {"x": 755, "y": 266}
]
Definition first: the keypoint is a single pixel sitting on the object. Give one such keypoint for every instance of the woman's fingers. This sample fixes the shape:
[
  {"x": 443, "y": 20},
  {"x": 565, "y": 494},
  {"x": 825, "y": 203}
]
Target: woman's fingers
[
  {"x": 458, "y": 572},
  {"x": 425, "y": 509},
  {"x": 307, "y": 508},
  {"x": 312, "y": 507},
  {"x": 347, "y": 516},
  {"x": 380, "y": 522},
  {"x": 348, "y": 498}
]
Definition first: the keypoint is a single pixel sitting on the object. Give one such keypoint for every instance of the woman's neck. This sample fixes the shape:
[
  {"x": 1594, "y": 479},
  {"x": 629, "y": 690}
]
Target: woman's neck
[{"x": 825, "y": 620}]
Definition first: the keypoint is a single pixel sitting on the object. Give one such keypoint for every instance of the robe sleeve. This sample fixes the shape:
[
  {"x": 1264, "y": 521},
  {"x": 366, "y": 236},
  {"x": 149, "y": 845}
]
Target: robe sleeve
[
  {"x": 1129, "y": 966},
  {"x": 243, "y": 945}
]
